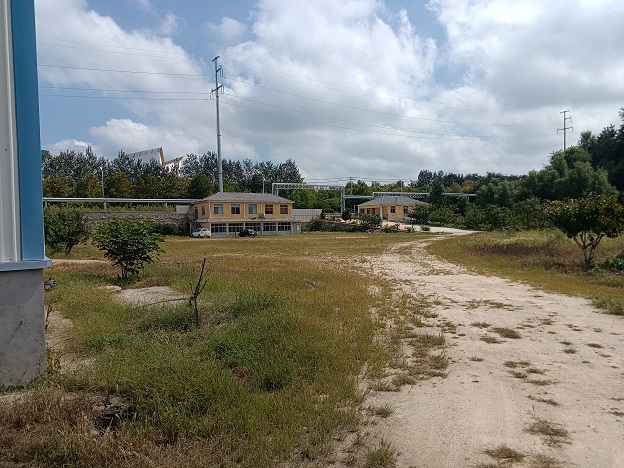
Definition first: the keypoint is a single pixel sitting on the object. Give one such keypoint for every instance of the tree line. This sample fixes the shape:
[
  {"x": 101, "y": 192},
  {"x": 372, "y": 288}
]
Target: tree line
[{"x": 77, "y": 174}]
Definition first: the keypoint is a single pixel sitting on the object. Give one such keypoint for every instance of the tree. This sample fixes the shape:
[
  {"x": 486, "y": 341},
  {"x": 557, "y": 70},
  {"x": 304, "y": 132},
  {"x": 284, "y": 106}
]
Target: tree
[
  {"x": 64, "y": 227},
  {"x": 420, "y": 213},
  {"x": 58, "y": 185},
  {"x": 200, "y": 187},
  {"x": 129, "y": 243},
  {"x": 118, "y": 185},
  {"x": 89, "y": 187},
  {"x": 569, "y": 175},
  {"x": 588, "y": 220}
]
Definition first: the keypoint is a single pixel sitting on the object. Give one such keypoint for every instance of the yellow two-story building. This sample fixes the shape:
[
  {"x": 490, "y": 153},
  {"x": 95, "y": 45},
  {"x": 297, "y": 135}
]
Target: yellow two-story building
[
  {"x": 392, "y": 208},
  {"x": 228, "y": 213}
]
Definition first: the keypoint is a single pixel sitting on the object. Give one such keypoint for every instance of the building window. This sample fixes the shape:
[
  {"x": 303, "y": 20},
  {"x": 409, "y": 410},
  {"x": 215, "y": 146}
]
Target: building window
[
  {"x": 218, "y": 227},
  {"x": 392, "y": 209},
  {"x": 283, "y": 227},
  {"x": 268, "y": 209},
  {"x": 218, "y": 208},
  {"x": 405, "y": 210},
  {"x": 253, "y": 209},
  {"x": 268, "y": 227},
  {"x": 203, "y": 210},
  {"x": 235, "y": 209},
  {"x": 284, "y": 209},
  {"x": 235, "y": 227},
  {"x": 367, "y": 211},
  {"x": 196, "y": 214}
]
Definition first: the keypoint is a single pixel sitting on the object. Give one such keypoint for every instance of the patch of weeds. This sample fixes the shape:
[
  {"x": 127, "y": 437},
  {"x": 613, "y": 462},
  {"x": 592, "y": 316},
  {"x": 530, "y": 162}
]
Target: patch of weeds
[
  {"x": 554, "y": 434},
  {"x": 514, "y": 364},
  {"x": 505, "y": 454},
  {"x": 542, "y": 460},
  {"x": 384, "y": 411},
  {"x": 383, "y": 456},
  {"x": 507, "y": 332},
  {"x": 403, "y": 379},
  {"x": 540, "y": 382},
  {"x": 597, "y": 330},
  {"x": 595, "y": 345},
  {"x": 428, "y": 340},
  {"x": 547, "y": 321},
  {"x": 476, "y": 359},
  {"x": 566, "y": 343},
  {"x": 382, "y": 386},
  {"x": 438, "y": 361},
  {"x": 612, "y": 306},
  {"x": 480, "y": 324},
  {"x": 491, "y": 339},
  {"x": 535, "y": 370},
  {"x": 604, "y": 355},
  {"x": 570, "y": 350},
  {"x": 518, "y": 374},
  {"x": 548, "y": 401},
  {"x": 616, "y": 412}
]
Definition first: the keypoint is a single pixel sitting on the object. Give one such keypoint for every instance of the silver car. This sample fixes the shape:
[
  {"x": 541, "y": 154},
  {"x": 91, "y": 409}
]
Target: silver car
[{"x": 201, "y": 232}]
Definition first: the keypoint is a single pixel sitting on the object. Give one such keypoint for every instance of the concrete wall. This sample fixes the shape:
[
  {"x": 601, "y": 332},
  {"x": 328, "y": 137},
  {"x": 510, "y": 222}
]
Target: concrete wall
[{"x": 22, "y": 330}]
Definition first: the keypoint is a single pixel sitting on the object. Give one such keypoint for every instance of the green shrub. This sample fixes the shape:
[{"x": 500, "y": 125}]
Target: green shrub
[
  {"x": 129, "y": 243},
  {"x": 64, "y": 227}
]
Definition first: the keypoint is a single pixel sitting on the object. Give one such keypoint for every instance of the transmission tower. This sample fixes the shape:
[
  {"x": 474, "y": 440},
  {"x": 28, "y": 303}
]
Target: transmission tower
[{"x": 564, "y": 128}]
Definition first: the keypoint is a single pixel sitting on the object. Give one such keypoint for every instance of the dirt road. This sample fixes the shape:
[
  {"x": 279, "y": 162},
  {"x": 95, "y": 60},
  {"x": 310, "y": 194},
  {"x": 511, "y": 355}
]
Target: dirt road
[{"x": 562, "y": 379}]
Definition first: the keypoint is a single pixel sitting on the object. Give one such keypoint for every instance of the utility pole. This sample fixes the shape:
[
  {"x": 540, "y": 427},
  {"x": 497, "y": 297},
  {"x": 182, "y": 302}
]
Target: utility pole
[
  {"x": 564, "y": 128},
  {"x": 218, "y": 70},
  {"x": 351, "y": 184}
]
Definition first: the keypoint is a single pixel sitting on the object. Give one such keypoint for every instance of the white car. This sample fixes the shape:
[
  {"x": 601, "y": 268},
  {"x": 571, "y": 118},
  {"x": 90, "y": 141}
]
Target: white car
[{"x": 201, "y": 232}]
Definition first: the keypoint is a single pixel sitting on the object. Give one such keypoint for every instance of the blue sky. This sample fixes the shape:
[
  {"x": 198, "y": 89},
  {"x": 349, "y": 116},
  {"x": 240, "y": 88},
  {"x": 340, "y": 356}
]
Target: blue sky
[{"x": 353, "y": 88}]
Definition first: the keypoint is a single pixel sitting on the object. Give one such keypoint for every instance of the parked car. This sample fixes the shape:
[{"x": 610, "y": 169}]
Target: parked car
[
  {"x": 201, "y": 232},
  {"x": 247, "y": 233}
]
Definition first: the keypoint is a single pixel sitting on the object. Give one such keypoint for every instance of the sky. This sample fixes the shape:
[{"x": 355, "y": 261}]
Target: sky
[{"x": 370, "y": 89}]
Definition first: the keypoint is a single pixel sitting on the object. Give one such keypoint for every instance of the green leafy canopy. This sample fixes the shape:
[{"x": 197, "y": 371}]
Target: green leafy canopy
[{"x": 129, "y": 243}]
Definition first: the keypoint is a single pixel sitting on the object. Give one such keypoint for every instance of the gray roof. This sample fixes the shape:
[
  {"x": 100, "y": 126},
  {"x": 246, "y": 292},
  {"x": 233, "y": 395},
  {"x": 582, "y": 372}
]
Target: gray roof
[
  {"x": 246, "y": 197},
  {"x": 393, "y": 200}
]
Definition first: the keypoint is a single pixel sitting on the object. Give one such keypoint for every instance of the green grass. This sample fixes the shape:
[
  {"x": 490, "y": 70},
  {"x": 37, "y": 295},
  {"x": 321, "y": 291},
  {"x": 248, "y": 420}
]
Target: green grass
[
  {"x": 271, "y": 374},
  {"x": 546, "y": 259}
]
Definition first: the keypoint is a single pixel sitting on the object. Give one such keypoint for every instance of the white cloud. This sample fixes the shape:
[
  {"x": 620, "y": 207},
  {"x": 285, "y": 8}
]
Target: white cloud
[
  {"x": 71, "y": 145},
  {"x": 169, "y": 25},
  {"x": 229, "y": 29},
  {"x": 351, "y": 88}
]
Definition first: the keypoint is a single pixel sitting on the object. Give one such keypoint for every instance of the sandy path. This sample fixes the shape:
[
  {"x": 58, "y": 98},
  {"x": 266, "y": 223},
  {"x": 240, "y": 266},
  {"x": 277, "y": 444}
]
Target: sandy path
[{"x": 449, "y": 422}]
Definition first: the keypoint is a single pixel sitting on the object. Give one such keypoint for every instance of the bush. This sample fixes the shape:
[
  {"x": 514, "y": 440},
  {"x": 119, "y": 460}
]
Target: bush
[
  {"x": 129, "y": 243},
  {"x": 64, "y": 227},
  {"x": 616, "y": 264},
  {"x": 370, "y": 221},
  {"x": 170, "y": 229},
  {"x": 420, "y": 213}
]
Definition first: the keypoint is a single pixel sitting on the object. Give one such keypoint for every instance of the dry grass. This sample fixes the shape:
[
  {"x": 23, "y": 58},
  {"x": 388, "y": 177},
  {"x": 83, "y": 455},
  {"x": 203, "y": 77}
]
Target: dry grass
[
  {"x": 548, "y": 401},
  {"x": 491, "y": 339},
  {"x": 507, "y": 333},
  {"x": 546, "y": 259},
  {"x": 505, "y": 454},
  {"x": 554, "y": 434}
]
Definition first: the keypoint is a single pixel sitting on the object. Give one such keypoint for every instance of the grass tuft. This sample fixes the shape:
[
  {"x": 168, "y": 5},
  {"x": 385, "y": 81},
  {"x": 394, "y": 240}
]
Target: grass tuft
[
  {"x": 504, "y": 453},
  {"x": 384, "y": 455},
  {"x": 507, "y": 332},
  {"x": 554, "y": 434},
  {"x": 491, "y": 339}
]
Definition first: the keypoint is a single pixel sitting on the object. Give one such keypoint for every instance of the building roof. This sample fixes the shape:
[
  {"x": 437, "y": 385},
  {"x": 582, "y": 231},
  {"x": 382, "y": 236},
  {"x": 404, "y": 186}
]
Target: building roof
[
  {"x": 246, "y": 197},
  {"x": 393, "y": 200},
  {"x": 148, "y": 155}
]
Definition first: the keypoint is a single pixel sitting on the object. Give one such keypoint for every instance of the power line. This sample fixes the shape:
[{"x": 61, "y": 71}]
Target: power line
[{"x": 381, "y": 112}]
